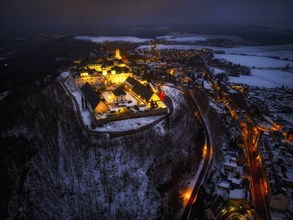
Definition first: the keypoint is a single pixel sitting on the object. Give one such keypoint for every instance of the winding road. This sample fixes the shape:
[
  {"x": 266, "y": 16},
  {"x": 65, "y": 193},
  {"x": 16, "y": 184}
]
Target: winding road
[{"x": 207, "y": 158}]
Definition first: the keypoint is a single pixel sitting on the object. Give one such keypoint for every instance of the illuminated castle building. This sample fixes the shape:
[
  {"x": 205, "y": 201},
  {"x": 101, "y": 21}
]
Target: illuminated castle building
[{"x": 112, "y": 71}]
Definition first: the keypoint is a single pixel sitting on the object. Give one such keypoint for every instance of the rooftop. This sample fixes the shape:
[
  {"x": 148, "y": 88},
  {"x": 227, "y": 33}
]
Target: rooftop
[
  {"x": 90, "y": 95},
  {"x": 119, "y": 91}
]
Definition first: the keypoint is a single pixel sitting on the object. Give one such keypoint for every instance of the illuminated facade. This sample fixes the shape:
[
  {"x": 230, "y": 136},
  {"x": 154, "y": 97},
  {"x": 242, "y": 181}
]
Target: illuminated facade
[
  {"x": 105, "y": 78},
  {"x": 113, "y": 71}
]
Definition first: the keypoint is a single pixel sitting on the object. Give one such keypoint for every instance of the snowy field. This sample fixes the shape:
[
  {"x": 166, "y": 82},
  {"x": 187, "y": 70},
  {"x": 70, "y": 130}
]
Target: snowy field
[
  {"x": 101, "y": 39},
  {"x": 255, "y": 61},
  {"x": 282, "y": 51},
  {"x": 266, "y": 78},
  {"x": 258, "y": 57},
  {"x": 192, "y": 38},
  {"x": 216, "y": 70},
  {"x": 182, "y": 38}
]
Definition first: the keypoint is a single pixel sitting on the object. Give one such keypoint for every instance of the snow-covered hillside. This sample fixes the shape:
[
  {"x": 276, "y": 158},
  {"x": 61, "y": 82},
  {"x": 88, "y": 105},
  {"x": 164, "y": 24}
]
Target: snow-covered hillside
[{"x": 70, "y": 174}]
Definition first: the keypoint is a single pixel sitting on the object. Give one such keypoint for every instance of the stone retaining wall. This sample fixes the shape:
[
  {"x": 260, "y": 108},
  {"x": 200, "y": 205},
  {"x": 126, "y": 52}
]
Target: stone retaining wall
[{"x": 148, "y": 113}]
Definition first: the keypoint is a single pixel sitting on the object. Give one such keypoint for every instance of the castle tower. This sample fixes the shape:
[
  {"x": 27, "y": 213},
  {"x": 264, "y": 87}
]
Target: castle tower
[
  {"x": 154, "y": 51},
  {"x": 117, "y": 54}
]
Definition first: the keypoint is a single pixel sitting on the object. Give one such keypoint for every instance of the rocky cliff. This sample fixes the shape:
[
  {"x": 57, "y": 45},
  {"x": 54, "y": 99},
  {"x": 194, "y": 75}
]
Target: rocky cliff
[{"x": 52, "y": 169}]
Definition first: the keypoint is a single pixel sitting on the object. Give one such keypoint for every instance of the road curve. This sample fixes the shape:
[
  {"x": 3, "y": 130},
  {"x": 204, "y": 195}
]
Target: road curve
[{"x": 197, "y": 186}]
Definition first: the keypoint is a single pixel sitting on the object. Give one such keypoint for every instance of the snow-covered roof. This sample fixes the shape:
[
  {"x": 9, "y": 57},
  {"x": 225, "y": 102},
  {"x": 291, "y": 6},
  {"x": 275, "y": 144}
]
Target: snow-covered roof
[
  {"x": 65, "y": 75},
  {"x": 236, "y": 181},
  {"x": 232, "y": 164},
  {"x": 90, "y": 95},
  {"x": 237, "y": 194},
  {"x": 119, "y": 92},
  {"x": 224, "y": 184}
]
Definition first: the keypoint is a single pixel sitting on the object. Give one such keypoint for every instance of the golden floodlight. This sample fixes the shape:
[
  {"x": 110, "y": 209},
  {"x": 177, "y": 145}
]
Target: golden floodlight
[{"x": 186, "y": 195}]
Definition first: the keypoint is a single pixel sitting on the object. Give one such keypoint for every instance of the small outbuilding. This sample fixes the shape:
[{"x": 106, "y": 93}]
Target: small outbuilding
[{"x": 119, "y": 94}]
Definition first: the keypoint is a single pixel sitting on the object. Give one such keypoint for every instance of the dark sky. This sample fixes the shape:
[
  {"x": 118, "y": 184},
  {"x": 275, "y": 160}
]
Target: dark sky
[{"x": 46, "y": 14}]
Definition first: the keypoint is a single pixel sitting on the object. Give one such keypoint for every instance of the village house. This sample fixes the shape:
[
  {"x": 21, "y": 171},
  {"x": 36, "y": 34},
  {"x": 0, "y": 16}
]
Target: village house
[
  {"x": 119, "y": 94},
  {"x": 238, "y": 197}
]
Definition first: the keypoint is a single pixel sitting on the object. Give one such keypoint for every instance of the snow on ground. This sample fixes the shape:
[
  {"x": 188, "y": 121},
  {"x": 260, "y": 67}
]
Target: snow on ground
[
  {"x": 85, "y": 114},
  {"x": 285, "y": 116},
  {"x": 193, "y": 180},
  {"x": 216, "y": 107},
  {"x": 174, "y": 94},
  {"x": 3, "y": 95},
  {"x": 182, "y": 38},
  {"x": 128, "y": 124},
  {"x": 195, "y": 37},
  {"x": 129, "y": 97},
  {"x": 64, "y": 75},
  {"x": 206, "y": 85},
  {"x": 254, "y": 61},
  {"x": 108, "y": 96},
  {"x": 216, "y": 70},
  {"x": 101, "y": 39},
  {"x": 169, "y": 47},
  {"x": 160, "y": 129},
  {"x": 282, "y": 51},
  {"x": 265, "y": 78}
]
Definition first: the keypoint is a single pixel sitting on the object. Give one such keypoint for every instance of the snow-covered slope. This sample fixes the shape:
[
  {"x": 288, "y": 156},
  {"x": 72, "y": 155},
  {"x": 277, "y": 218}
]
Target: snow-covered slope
[{"x": 64, "y": 173}]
